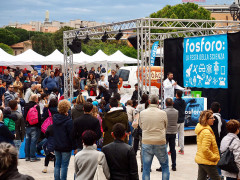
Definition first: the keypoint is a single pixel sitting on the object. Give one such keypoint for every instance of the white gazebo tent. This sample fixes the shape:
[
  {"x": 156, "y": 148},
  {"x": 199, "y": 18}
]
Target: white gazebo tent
[
  {"x": 55, "y": 58},
  {"x": 6, "y": 59},
  {"x": 29, "y": 57},
  {"x": 119, "y": 57}
]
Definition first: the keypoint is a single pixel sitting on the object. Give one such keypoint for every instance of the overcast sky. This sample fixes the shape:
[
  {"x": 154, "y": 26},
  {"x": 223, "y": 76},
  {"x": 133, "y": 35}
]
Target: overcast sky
[{"x": 24, "y": 11}]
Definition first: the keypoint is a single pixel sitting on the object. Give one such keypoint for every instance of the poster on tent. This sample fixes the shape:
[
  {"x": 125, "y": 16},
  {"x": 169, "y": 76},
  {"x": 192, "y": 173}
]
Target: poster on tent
[{"x": 205, "y": 62}]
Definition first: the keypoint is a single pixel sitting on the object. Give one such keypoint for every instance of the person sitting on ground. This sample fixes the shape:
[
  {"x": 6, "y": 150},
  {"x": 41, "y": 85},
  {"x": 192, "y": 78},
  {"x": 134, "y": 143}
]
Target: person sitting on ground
[
  {"x": 9, "y": 162},
  {"x": 77, "y": 110},
  {"x": 83, "y": 123},
  {"x": 87, "y": 160},
  {"x": 5, "y": 134},
  {"x": 102, "y": 82},
  {"x": 115, "y": 115},
  {"x": 233, "y": 129},
  {"x": 103, "y": 94},
  {"x": 120, "y": 156},
  {"x": 207, "y": 155}
]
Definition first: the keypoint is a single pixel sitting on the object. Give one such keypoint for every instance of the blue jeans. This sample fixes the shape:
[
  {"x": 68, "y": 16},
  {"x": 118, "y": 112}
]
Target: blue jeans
[
  {"x": 130, "y": 141},
  {"x": 82, "y": 84},
  {"x": 61, "y": 164},
  {"x": 160, "y": 151},
  {"x": 40, "y": 144},
  {"x": 32, "y": 135},
  {"x": 17, "y": 144}
]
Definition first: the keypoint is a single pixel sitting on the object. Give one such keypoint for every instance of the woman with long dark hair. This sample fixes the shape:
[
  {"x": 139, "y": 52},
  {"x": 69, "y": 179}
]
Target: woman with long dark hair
[
  {"x": 103, "y": 94},
  {"x": 92, "y": 84}
]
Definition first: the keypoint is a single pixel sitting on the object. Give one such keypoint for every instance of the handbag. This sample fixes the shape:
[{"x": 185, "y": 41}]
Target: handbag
[
  {"x": 47, "y": 123},
  {"x": 99, "y": 174},
  {"x": 227, "y": 162}
]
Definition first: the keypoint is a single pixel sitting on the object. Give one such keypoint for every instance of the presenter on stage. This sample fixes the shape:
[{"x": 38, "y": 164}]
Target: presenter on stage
[{"x": 169, "y": 85}]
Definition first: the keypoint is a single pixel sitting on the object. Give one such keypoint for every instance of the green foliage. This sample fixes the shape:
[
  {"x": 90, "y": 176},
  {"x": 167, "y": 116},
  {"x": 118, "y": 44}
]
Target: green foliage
[
  {"x": 6, "y": 48},
  {"x": 43, "y": 43},
  {"x": 21, "y": 33},
  {"x": 182, "y": 11},
  {"x": 58, "y": 37},
  {"x": 7, "y": 37}
]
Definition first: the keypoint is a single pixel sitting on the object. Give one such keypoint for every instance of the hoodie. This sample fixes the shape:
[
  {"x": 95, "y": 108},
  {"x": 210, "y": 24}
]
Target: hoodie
[
  {"x": 62, "y": 128},
  {"x": 207, "y": 149},
  {"x": 180, "y": 105},
  {"x": 77, "y": 111}
]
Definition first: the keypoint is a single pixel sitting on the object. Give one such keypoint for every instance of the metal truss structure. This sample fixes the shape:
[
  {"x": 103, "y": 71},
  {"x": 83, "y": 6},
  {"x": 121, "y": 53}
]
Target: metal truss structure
[{"x": 147, "y": 30}]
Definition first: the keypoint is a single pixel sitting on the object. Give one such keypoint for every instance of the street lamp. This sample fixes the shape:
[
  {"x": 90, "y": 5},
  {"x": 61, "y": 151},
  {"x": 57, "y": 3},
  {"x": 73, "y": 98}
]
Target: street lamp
[{"x": 234, "y": 11}]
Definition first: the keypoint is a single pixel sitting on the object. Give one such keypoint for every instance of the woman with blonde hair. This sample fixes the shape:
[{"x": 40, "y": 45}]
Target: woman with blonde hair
[
  {"x": 207, "y": 155},
  {"x": 77, "y": 110},
  {"x": 9, "y": 162}
]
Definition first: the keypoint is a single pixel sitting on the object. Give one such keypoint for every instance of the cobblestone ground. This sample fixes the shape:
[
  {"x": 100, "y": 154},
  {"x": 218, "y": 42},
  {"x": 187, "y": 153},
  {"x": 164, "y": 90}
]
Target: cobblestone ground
[{"x": 186, "y": 167}]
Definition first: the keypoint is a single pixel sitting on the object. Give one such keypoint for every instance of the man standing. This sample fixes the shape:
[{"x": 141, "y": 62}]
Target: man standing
[
  {"x": 169, "y": 85},
  {"x": 50, "y": 83},
  {"x": 180, "y": 105},
  {"x": 120, "y": 156},
  {"x": 115, "y": 115},
  {"x": 135, "y": 93},
  {"x": 9, "y": 95},
  {"x": 32, "y": 110},
  {"x": 30, "y": 91},
  {"x": 43, "y": 74},
  {"x": 113, "y": 83},
  {"x": 7, "y": 77},
  {"x": 219, "y": 125},
  {"x": 83, "y": 123},
  {"x": 153, "y": 123},
  {"x": 172, "y": 115}
]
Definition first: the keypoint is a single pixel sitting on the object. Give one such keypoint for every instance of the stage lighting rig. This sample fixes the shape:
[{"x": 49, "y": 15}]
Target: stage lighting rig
[
  {"x": 86, "y": 39},
  {"x": 119, "y": 35},
  {"x": 104, "y": 37},
  {"x": 75, "y": 45}
]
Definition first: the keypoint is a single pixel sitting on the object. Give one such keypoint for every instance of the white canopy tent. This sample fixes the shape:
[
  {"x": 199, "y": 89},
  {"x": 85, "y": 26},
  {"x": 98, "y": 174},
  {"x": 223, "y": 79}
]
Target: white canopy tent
[
  {"x": 6, "y": 59},
  {"x": 119, "y": 57},
  {"x": 55, "y": 58},
  {"x": 81, "y": 59},
  {"x": 29, "y": 57}
]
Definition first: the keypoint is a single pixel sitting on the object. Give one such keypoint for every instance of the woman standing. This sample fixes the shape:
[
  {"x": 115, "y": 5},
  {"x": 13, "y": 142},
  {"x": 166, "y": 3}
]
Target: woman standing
[
  {"x": 62, "y": 128},
  {"x": 18, "y": 86},
  {"x": 207, "y": 155},
  {"x": 233, "y": 129},
  {"x": 92, "y": 85},
  {"x": 77, "y": 110}
]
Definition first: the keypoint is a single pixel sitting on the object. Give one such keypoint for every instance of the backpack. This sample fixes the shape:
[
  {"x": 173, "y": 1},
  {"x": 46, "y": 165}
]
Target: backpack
[
  {"x": 47, "y": 122},
  {"x": 32, "y": 115},
  {"x": 9, "y": 123}
]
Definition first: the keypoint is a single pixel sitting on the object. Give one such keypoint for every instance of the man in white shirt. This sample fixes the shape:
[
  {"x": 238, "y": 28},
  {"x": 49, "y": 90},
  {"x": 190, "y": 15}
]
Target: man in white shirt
[
  {"x": 169, "y": 86},
  {"x": 102, "y": 82}
]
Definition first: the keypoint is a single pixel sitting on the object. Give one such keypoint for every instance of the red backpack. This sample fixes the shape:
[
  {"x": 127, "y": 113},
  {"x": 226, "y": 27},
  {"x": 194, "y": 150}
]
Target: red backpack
[{"x": 32, "y": 115}]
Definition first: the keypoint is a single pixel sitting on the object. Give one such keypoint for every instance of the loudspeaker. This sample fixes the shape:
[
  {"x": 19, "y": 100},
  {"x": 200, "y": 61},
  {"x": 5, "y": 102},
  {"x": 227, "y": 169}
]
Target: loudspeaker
[{"x": 75, "y": 46}]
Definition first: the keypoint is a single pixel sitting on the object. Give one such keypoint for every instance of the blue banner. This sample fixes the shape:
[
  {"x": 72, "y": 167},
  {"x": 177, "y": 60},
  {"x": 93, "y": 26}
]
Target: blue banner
[
  {"x": 154, "y": 52},
  {"x": 205, "y": 62}
]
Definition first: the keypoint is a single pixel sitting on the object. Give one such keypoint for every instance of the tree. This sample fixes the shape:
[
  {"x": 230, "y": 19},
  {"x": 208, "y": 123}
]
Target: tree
[
  {"x": 23, "y": 34},
  {"x": 182, "y": 11},
  {"x": 58, "y": 37},
  {"x": 7, "y": 37},
  {"x": 43, "y": 43},
  {"x": 6, "y": 48}
]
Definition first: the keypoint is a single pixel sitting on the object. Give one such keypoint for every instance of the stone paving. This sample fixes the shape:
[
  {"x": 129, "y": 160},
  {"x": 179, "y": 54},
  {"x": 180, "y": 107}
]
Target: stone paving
[{"x": 186, "y": 167}]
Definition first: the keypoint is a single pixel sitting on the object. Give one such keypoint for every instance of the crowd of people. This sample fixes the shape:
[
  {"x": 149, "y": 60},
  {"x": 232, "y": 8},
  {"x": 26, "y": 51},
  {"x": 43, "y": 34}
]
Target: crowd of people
[{"x": 103, "y": 134}]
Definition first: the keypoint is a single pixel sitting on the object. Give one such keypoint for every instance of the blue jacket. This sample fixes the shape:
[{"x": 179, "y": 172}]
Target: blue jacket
[
  {"x": 62, "y": 129},
  {"x": 50, "y": 83}
]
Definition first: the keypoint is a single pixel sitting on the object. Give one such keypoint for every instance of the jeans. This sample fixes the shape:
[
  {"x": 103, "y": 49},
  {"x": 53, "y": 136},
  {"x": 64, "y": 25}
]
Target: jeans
[
  {"x": 32, "y": 135},
  {"x": 210, "y": 170},
  {"x": 229, "y": 178},
  {"x": 17, "y": 144},
  {"x": 181, "y": 135},
  {"x": 113, "y": 91},
  {"x": 40, "y": 144},
  {"x": 171, "y": 140},
  {"x": 130, "y": 142},
  {"x": 160, "y": 151},
  {"x": 82, "y": 84},
  {"x": 61, "y": 164}
]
